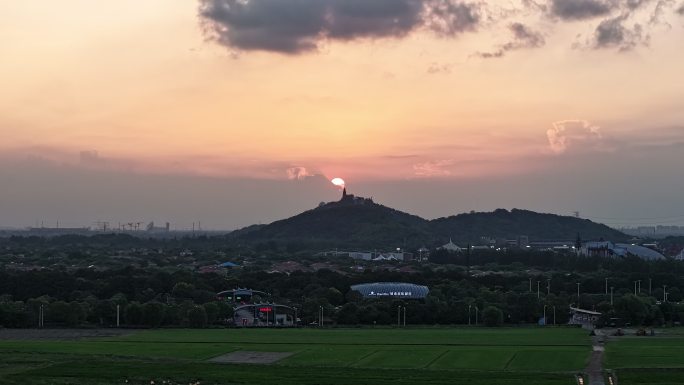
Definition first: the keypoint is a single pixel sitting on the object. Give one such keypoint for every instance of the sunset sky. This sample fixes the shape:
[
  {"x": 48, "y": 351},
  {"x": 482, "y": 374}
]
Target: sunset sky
[{"x": 236, "y": 112}]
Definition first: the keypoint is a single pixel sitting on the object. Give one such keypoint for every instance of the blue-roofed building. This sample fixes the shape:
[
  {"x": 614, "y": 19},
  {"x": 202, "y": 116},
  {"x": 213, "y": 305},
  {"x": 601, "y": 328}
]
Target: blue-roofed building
[
  {"x": 610, "y": 249},
  {"x": 399, "y": 290},
  {"x": 229, "y": 264}
]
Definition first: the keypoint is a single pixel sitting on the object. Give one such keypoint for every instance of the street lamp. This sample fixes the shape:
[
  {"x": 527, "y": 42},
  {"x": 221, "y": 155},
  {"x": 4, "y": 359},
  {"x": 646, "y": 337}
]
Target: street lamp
[
  {"x": 545, "y": 315},
  {"x": 404, "y": 316},
  {"x": 611, "y": 295},
  {"x": 476, "y": 313},
  {"x": 469, "y": 306}
]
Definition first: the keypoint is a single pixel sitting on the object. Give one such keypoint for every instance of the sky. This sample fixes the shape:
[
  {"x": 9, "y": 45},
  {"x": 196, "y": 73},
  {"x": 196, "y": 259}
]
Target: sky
[{"x": 235, "y": 112}]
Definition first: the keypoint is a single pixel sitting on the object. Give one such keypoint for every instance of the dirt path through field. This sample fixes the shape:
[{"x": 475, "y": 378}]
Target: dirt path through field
[{"x": 595, "y": 368}]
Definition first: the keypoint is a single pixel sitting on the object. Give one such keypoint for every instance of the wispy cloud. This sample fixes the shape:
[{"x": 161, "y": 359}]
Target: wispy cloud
[{"x": 523, "y": 37}]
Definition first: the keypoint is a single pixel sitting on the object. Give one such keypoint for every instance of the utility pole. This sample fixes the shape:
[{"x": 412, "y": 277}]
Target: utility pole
[
  {"x": 611, "y": 296},
  {"x": 404, "y": 316},
  {"x": 650, "y": 281}
]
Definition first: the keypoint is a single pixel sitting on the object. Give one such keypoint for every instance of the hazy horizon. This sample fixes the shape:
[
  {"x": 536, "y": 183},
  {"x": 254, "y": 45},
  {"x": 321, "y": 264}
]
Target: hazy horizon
[{"x": 236, "y": 113}]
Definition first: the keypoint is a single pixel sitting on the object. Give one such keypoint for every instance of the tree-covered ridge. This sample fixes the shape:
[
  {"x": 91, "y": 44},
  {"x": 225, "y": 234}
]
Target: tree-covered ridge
[
  {"x": 354, "y": 225},
  {"x": 510, "y": 224},
  {"x": 370, "y": 225}
]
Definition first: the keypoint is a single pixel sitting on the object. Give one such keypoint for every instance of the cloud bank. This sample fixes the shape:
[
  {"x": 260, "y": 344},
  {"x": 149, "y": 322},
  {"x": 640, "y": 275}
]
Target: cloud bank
[{"x": 295, "y": 27}]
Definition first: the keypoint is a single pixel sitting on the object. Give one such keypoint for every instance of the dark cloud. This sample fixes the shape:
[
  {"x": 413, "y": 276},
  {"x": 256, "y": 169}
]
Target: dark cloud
[
  {"x": 523, "y": 37},
  {"x": 612, "y": 33},
  {"x": 449, "y": 18},
  {"x": 351, "y": 19},
  {"x": 635, "y": 4},
  {"x": 581, "y": 9},
  {"x": 296, "y": 26}
]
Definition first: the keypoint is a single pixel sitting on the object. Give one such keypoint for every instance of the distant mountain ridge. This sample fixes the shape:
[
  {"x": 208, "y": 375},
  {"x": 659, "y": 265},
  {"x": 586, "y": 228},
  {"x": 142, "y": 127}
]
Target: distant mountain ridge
[{"x": 355, "y": 222}]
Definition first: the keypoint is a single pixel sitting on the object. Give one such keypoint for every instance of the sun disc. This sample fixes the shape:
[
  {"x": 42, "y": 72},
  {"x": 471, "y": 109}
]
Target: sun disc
[{"x": 338, "y": 182}]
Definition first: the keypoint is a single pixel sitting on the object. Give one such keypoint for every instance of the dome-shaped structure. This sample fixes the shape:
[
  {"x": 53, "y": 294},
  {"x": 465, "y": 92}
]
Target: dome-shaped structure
[{"x": 391, "y": 290}]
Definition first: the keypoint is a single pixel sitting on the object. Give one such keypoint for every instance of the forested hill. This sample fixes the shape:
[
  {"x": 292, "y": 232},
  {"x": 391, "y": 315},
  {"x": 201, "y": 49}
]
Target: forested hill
[
  {"x": 340, "y": 224},
  {"x": 363, "y": 224},
  {"x": 511, "y": 224}
]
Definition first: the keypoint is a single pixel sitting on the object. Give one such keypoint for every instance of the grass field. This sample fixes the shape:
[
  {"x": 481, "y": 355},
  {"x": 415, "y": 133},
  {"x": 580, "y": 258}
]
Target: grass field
[
  {"x": 332, "y": 356},
  {"x": 663, "y": 351},
  {"x": 648, "y": 360}
]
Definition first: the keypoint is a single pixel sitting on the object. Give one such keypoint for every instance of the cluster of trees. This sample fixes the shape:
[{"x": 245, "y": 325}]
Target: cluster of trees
[
  {"x": 510, "y": 287},
  {"x": 110, "y": 312},
  {"x": 493, "y": 294}
]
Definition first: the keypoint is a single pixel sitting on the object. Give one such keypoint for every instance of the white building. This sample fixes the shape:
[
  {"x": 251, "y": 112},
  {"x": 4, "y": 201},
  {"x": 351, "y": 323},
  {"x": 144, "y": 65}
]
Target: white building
[{"x": 451, "y": 246}]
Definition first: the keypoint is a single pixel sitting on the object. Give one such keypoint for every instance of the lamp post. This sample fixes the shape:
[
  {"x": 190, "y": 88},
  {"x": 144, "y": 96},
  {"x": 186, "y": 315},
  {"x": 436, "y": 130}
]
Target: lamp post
[
  {"x": 639, "y": 286},
  {"x": 398, "y": 316},
  {"x": 469, "y": 306},
  {"x": 476, "y": 313},
  {"x": 537, "y": 289},
  {"x": 545, "y": 315},
  {"x": 635, "y": 287},
  {"x": 404, "y": 316},
  {"x": 611, "y": 295},
  {"x": 578, "y": 294},
  {"x": 650, "y": 282},
  {"x": 606, "y": 285},
  {"x": 554, "y": 316},
  {"x": 530, "y": 285}
]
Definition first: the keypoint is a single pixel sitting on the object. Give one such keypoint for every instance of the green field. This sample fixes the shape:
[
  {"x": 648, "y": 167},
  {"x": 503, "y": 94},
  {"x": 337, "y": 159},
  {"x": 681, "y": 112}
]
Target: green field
[
  {"x": 663, "y": 351},
  {"x": 332, "y": 356},
  {"x": 648, "y": 360}
]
